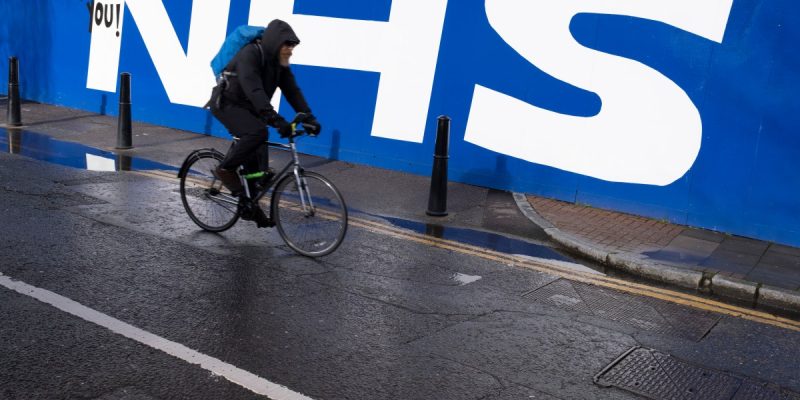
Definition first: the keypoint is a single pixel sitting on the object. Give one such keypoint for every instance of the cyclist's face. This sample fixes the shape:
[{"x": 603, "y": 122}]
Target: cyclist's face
[{"x": 286, "y": 54}]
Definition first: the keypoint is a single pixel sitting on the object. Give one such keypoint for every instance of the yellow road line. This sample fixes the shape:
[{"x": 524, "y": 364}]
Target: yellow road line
[
  {"x": 588, "y": 278},
  {"x": 158, "y": 173},
  {"x": 583, "y": 277}
]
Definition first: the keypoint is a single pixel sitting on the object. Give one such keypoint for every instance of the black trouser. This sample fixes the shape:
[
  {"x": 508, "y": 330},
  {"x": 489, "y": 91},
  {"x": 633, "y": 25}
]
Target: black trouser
[{"x": 251, "y": 148}]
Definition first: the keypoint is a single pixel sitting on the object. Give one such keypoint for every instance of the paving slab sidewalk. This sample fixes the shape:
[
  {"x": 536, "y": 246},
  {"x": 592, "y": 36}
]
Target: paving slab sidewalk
[{"x": 730, "y": 266}]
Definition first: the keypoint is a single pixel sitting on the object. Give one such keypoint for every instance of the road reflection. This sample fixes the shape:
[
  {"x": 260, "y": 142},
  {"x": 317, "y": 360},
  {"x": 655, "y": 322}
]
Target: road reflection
[
  {"x": 483, "y": 239},
  {"x": 45, "y": 148}
]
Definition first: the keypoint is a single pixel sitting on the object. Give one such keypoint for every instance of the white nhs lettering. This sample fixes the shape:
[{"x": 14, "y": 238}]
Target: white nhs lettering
[
  {"x": 406, "y": 83},
  {"x": 648, "y": 131},
  {"x": 187, "y": 77}
]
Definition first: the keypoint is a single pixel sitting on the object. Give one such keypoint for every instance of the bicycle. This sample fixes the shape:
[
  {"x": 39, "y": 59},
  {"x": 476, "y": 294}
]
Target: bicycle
[{"x": 307, "y": 209}]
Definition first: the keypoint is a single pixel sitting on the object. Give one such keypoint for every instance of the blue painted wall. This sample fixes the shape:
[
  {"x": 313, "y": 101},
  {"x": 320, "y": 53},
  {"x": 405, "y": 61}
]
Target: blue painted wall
[{"x": 744, "y": 181}]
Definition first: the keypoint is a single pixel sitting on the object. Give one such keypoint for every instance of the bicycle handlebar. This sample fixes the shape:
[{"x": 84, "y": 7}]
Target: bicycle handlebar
[{"x": 300, "y": 120}]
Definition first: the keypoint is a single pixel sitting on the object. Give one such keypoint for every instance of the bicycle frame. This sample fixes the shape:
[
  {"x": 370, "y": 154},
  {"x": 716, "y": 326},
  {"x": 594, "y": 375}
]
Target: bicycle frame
[
  {"x": 292, "y": 208},
  {"x": 294, "y": 164}
]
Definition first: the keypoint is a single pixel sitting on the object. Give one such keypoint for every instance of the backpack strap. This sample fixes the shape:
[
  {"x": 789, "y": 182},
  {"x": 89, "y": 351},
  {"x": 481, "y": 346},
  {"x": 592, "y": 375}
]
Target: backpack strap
[{"x": 225, "y": 73}]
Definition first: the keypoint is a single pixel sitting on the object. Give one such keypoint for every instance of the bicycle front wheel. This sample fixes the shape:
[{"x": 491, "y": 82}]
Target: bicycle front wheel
[
  {"x": 209, "y": 204},
  {"x": 311, "y": 217}
]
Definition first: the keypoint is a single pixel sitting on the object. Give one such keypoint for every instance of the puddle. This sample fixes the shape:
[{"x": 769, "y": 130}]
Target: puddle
[
  {"x": 45, "y": 148},
  {"x": 487, "y": 240}
]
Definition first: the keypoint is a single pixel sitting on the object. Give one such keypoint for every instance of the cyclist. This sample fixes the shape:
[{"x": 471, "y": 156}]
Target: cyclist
[{"x": 243, "y": 106}]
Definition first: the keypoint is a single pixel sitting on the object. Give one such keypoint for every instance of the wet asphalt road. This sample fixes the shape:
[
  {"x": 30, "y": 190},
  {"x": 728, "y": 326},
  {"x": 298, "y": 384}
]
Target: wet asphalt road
[{"x": 382, "y": 318}]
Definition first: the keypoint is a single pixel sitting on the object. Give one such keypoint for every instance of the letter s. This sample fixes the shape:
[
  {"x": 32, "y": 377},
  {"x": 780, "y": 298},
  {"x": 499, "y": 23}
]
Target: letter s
[{"x": 648, "y": 131}]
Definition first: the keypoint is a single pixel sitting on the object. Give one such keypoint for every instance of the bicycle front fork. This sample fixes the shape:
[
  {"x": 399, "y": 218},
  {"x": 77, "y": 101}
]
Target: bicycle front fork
[{"x": 306, "y": 202}]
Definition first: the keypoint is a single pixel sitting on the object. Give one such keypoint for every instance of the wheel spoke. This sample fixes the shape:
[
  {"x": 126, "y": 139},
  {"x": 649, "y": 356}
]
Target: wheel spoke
[
  {"x": 206, "y": 201},
  {"x": 313, "y": 223}
]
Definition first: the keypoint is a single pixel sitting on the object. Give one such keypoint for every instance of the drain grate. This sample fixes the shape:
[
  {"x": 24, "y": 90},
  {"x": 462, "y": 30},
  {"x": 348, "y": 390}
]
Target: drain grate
[
  {"x": 644, "y": 313},
  {"x": 656, "y": 375}
]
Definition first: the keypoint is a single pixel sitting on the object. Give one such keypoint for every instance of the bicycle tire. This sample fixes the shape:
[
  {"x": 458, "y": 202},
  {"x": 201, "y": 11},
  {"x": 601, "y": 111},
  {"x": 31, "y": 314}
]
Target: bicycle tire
[
  {"x": 203, "y": 196},
  {"x": 317, "y": 231}
]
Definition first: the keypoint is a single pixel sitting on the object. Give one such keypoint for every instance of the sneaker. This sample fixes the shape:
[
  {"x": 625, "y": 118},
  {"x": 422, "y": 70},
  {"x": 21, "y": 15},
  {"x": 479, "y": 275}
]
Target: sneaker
[
  {"x": 250, "y": 211},
  {"x": 230, "y": 179},
  {"x": 246, "y": 208},
  {"x": 262, "y": 221}
]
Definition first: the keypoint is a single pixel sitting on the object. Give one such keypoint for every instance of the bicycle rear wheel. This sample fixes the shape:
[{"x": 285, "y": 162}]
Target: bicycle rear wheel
[
  {"x": 209, "y": 204},
  {"x": 312, "y": 221}
]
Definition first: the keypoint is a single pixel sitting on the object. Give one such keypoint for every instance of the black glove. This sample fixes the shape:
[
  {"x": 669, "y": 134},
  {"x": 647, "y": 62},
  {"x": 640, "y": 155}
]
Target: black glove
[
  {"x": 312, "y": 126},
  {"x": 267, "y": 116},
  {"x": 284, "y": 128}
]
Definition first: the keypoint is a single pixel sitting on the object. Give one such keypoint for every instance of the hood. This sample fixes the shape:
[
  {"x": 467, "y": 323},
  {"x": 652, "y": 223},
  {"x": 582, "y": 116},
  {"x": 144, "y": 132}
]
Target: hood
[{"x": 275, "y": 35}]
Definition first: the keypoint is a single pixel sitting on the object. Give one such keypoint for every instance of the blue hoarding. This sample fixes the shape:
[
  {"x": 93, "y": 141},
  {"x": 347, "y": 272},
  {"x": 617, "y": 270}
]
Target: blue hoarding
[{"x": 678, "y": 110}]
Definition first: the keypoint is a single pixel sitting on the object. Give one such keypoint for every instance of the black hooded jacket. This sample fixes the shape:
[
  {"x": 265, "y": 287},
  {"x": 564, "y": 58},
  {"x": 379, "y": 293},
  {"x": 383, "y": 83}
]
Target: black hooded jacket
[{"x": 255, "y": 81}]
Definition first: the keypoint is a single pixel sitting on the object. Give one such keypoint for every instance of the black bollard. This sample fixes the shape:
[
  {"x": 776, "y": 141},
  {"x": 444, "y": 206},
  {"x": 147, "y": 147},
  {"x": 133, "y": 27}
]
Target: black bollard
[
  {"x": 124, "y": 131},
  {"x": 14, "y": 116},
  {"x": 437, "y": 201}
]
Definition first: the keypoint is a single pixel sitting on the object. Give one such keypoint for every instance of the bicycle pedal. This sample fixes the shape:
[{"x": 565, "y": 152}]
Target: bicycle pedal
[{"x": 246, "y": 210}]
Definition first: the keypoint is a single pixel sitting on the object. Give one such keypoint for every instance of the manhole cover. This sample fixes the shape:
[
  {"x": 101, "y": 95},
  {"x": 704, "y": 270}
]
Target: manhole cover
[{"x": 657, "y": 375}]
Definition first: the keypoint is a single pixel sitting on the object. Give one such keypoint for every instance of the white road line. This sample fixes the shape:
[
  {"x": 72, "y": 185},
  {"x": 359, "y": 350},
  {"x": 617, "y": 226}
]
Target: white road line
[{"x": 236, "y": 375}]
